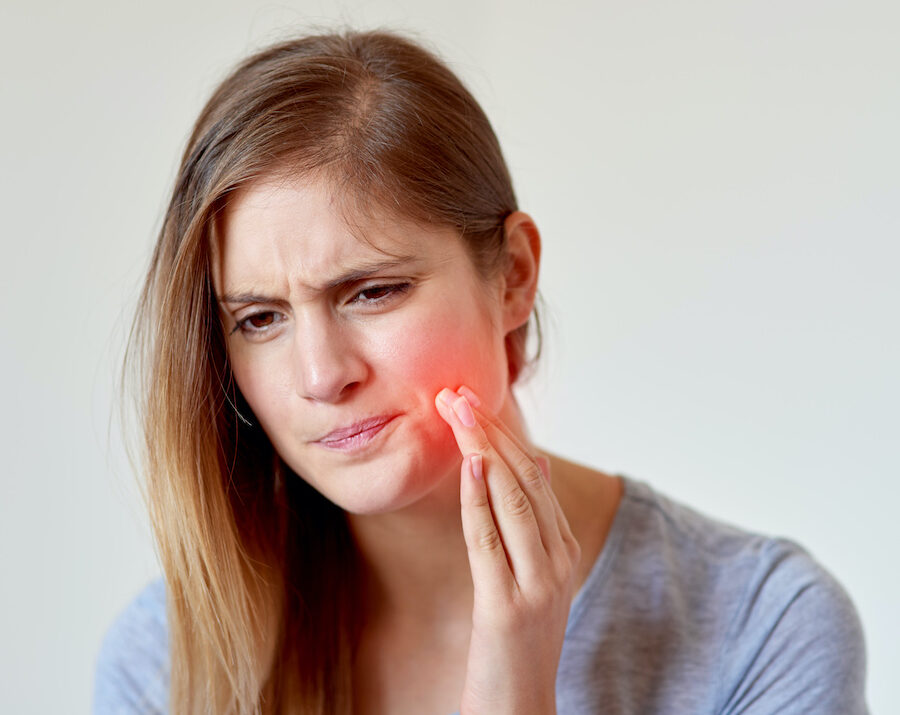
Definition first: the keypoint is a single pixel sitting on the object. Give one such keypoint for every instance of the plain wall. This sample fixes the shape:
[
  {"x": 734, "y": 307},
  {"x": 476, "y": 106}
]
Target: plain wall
[{"x": 718, "y": 191}]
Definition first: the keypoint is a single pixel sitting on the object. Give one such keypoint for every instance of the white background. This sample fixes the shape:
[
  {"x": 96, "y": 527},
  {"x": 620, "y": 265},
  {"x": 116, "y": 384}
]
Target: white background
[{"x": 718, "y": 190}]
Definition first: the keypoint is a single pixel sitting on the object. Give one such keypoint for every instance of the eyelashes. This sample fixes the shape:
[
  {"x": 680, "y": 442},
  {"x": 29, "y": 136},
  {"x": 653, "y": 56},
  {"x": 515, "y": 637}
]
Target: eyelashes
[
  {"x": 371, "y": 297},
  {"x": 243, "y": 323},
  {"x": 381, "y": 293}
]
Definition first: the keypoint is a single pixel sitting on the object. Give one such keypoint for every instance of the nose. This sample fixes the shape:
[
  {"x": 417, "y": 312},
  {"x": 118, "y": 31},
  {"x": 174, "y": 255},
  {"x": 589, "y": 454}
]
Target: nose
[{"x": 329, "y": 363}]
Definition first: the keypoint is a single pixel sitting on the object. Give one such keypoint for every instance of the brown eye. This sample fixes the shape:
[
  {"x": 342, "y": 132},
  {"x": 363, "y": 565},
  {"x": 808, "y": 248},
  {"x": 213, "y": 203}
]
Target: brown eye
[
  {"x": 261, "y": 320},
  {"x": 379, "y": 294},
  {"x": 256, "y": 323},
  {"x": 375, "y": 293}
]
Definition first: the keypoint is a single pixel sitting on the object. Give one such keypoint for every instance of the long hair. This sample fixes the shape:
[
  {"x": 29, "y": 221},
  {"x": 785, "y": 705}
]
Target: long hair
[{"x": 260, "y": 568}]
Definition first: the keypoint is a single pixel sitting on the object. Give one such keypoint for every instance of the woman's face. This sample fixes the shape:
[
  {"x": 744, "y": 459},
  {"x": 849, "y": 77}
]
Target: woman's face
[{"x": 328, "y": 335}]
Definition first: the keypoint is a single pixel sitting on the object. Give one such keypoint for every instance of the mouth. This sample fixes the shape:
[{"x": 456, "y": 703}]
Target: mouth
[{"x": 356, "y": 436}]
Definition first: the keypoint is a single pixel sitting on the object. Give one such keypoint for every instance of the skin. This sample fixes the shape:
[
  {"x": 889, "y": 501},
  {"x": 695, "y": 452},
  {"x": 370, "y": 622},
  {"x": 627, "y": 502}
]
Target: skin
[{"x": 468, "y": 580}]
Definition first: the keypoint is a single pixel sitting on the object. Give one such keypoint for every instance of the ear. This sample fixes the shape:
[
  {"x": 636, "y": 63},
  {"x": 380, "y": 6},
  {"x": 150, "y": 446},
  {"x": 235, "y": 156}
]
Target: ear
[{"x": 523, "y": 245}]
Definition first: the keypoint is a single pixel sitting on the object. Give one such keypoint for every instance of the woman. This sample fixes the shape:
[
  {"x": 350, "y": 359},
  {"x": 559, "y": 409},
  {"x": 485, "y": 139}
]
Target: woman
[{"x": 348, "y": 509}]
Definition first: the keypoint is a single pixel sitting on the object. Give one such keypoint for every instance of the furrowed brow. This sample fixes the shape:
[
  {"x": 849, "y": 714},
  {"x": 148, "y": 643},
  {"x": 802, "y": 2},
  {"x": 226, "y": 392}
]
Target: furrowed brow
[{"x": 351, "y": 276}]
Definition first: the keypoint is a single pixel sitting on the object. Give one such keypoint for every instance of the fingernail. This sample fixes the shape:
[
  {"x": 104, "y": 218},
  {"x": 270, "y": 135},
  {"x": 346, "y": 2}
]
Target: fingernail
[
  {"x": 470, "y": 396},
  {"x": 464, "y": 412},
  {"x": 477, "y": 467},
  {"x": 447, "y": 396}
]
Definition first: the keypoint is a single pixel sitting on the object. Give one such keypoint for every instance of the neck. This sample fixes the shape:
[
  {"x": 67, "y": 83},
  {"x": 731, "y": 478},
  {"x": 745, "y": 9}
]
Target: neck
[{"x": 415, "y": 563}]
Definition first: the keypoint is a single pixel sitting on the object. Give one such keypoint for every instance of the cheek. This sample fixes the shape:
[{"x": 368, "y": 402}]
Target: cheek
[
  {"x": 265, "y": 388},
  {"x": 445, "y": 349}
]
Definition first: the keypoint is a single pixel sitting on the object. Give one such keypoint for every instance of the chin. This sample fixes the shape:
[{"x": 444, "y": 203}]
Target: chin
[{"x": 392, "y": 489}]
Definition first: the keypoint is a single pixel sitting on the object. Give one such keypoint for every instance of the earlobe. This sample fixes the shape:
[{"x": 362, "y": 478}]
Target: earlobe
[{"x": 523, "y": 245}]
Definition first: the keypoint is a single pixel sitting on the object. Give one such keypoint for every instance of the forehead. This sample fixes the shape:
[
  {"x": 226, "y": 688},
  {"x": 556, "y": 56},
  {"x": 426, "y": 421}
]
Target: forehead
[{"x": 287, "y": 231}]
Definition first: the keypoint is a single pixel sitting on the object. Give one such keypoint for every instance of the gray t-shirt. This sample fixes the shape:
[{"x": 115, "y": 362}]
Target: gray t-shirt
[{"x": 680, "y": 614}]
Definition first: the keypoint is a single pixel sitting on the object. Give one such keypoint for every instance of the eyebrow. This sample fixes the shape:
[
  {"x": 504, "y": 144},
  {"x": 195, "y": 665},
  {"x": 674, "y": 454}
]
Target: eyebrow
[{"x": 351, "y": 276}]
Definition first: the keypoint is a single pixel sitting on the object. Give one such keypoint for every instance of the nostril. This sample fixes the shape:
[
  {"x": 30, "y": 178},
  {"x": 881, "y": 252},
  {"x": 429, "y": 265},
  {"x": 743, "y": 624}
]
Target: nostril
[{"x": 350, "y": 387}]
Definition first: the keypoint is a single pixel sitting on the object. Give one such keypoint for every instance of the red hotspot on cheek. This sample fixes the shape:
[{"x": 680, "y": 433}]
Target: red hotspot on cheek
[{"x": 455, "y": 359}]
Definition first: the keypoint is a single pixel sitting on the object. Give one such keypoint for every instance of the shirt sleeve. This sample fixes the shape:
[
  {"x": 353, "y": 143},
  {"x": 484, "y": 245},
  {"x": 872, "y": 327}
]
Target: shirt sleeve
[
  {"x": 796, "y": 644},
  {"x": 132, "y": 674}
]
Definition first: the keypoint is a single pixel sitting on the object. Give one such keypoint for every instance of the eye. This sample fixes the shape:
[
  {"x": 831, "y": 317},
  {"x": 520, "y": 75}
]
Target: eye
[
  {"x": 375, "y": 295},
  {"x": 256, "y": 323}
]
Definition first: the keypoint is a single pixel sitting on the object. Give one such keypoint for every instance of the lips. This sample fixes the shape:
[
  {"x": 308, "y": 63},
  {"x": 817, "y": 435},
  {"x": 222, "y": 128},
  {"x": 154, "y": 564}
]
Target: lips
[{"x": 358, "y": 428}]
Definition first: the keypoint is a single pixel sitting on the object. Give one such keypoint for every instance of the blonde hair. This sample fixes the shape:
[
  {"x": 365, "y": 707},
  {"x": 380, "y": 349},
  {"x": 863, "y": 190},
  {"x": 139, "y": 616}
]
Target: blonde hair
[{"x": 260, "y": 569}]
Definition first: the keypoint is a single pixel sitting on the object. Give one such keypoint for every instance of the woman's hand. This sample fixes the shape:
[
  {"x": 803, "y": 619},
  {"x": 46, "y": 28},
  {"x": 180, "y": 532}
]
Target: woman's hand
[{"x": 523, "y": 559}]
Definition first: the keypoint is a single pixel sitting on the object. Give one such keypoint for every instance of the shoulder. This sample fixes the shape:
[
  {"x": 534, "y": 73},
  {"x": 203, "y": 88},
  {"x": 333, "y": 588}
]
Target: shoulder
[
  {"x": 795, "y": 641},
  {"x": 132, "y": 668},
  {"x": 790, "y": 638},
  {"x": 655, "y": 518}
]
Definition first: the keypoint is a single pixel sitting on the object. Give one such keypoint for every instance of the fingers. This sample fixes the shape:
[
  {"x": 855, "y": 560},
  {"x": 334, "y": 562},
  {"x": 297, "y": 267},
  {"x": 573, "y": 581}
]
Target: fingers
[
  {"x": 487, "y": 556},
  {"x": 522, "y": 572},
  {"x": 548, "y": 511},
  {"x": 520, "y": 502},
  {"x": 532, "y": 482},
  {"x": 509, "y": 505},
  {"x": 492, "y": 419}
]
